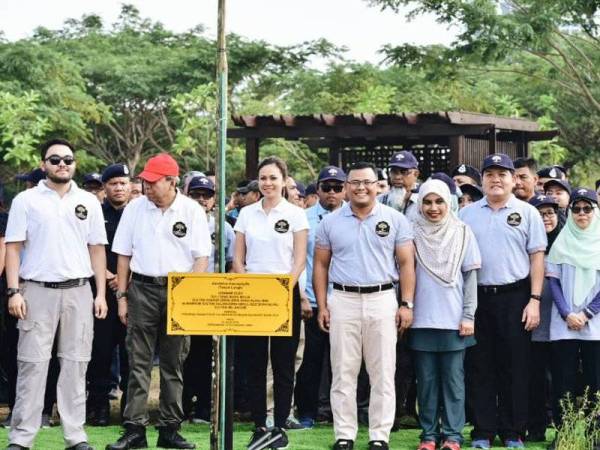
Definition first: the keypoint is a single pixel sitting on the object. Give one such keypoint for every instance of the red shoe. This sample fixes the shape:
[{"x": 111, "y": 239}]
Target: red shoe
[
  {"x": 426, "y": 445},
  {"x": 450, "y": 445}
]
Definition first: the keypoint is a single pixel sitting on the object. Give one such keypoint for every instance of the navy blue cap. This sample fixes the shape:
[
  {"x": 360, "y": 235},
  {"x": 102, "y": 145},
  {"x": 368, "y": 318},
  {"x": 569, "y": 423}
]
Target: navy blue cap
[
  {"x": 311, "y": 189},
  {"x": 473, "y": 191},
  {"x": 114, "y": 171},
  {"x": 201, "y": 183},
  {"x": 468, "y": 171},
  {"x": 331, "y": 173},
  {"x": 555, "y": 172},
  {"x": 301, "y": 189},
  {"x": 93, "y": 177},
  {"x": 499, "y": 160},
  {"x": 586, "y": 194},
  {"x": 446, "y": 179},
  {"x": 404, "y": 160},
  {"x": 250, "y": 186},
  {"x": 33, "y": 177},
  {"x": 543, "y": 200},
  {"x": 558, "y": 182}
]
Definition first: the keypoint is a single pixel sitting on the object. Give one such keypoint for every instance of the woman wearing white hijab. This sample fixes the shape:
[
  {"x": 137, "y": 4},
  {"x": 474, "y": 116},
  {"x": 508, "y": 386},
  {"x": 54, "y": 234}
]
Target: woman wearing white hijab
[
  {"x": 443, "y": 326},
  {"x": 573, "y": 273}
]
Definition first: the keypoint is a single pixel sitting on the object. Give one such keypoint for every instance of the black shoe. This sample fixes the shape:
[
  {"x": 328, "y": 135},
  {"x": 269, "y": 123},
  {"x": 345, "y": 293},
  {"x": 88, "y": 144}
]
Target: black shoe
[
  {"x": 378, "y": 445},
  {"x": 169, "y": 438},
  {"x": 133, "y": 437},
  {"x": 80, "y": 446},
  {"x": 102, "y": 415},
  {"x": 16, "y": 447},
  {"x": 536, "y": 436},
  {"x": 281, "y": 441},
  {"x": 260, "y": 436},
  {"x": 343, "y": 444}
]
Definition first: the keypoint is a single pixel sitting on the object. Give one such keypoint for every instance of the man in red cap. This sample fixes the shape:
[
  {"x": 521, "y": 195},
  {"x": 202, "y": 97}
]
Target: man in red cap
[{"x": 160, "y": 232}]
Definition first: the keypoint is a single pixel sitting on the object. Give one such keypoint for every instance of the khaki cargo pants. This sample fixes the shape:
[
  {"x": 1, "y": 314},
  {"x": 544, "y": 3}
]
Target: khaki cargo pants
[{"x": 68, "y": 315}]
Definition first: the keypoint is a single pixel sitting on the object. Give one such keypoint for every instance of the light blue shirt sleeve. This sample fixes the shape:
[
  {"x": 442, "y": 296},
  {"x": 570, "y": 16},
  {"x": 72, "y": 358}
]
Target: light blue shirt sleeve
[
  {"x": 537, "y": 239},
  {"x": 322, "y": 237},
  {"x": 404, "y": 233},
  {"x": 472, "y": 259}
]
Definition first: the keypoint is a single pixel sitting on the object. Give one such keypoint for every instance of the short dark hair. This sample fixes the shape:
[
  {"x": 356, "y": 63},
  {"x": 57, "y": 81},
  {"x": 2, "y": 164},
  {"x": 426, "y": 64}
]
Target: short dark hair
[
  {"x": 362, "y": 165},
  {"x": 597, "y": 184},
  {"x": 46, "y": 145},
  {"x": 280, "y": 163},
  {"x": 209, "y": 173},
  {"x": 530, "y": 163}
]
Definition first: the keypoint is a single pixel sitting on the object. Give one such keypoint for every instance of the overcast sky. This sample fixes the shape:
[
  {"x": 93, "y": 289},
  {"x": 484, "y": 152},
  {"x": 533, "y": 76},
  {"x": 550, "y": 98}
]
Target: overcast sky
[{"x": 351, "y": 23}]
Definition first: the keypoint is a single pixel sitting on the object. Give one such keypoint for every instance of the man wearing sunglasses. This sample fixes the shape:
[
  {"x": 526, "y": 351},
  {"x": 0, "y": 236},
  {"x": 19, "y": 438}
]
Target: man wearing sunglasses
[
  {"x": 331, "y": 192},
  {"x": 55, "y": 243}
]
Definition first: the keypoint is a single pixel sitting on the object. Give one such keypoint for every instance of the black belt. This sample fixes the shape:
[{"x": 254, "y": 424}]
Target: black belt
[
  {"x": 504, "y": 287},
  {"x": 61, "y": 284},
  {"x": 158, "y": 281},
  {"x": 363, "y": 289}
]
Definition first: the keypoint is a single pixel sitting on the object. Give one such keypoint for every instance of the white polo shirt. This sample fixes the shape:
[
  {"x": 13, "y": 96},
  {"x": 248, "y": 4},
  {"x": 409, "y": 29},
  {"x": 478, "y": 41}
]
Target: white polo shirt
[
  {"x": 55, "y": 232},
  {"x": 270, "y": 238},
  {"x": 162, "y": 242}
]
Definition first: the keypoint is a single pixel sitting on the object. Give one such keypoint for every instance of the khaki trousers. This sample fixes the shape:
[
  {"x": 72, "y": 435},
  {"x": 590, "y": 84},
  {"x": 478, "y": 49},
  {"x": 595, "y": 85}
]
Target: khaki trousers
[
  {"x": 363, "y": 325},
  {"x": 68, "y": 314},
  {"x": 147, "y": 325}
]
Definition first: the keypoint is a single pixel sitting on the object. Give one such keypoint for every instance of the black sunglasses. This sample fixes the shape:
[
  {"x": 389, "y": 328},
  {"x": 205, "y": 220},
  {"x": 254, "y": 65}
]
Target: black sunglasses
[
  {"x": 198, "y": 194},
  {"x": 578, "y": 209},
  {"x": 332, "y": 187},
  {"x": 55, "y": 160}
]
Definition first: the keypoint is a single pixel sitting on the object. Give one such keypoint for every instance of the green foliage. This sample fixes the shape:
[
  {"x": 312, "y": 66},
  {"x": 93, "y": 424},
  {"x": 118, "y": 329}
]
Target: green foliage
[
  {"x": 580, "y": 427},
  {"x": 21, "y": 128}
]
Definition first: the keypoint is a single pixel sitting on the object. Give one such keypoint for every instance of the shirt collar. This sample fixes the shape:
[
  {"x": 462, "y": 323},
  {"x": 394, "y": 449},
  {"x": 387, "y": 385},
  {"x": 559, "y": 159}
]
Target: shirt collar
[
  {"x": 347, "y": 210},
  {"x": 512, "y": 200},
  {"x": 174, "y": 206},
  {"x": 279, "y": 207},
  {"x": 43, "y": 188}
]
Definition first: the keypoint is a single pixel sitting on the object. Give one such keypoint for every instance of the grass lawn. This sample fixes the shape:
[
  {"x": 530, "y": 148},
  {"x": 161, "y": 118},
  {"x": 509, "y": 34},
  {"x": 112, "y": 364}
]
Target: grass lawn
[{"x": 319, "y": 438}]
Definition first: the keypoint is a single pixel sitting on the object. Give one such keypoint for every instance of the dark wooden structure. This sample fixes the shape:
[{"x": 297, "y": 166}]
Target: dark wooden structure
[{"x": 439, "y": 140}]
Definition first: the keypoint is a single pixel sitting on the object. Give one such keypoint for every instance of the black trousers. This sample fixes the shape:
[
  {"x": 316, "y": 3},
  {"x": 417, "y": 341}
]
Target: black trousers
[
  {"x": 197, "y": 373},
  {"x": 566, "y": 357},
  {"x": 539, "y": 387},
  {"x": 108, "y": 334},
  {"x": 308, "y": 378},
  {"x": 499, "y": 364},
  {"x": 283, "y": 355}
]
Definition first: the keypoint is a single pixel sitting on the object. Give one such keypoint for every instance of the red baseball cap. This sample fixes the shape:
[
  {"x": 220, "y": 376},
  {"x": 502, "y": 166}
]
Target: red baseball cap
[{"x": 159, "y": 166}]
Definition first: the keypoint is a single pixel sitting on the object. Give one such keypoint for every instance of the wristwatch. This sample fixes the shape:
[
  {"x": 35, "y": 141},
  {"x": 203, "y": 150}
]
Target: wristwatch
[
  {"x": 12, "y": 291},
  {"x": 120, "y": 294},
  {"x": 409, "y": 305},
  {"x": 536, "y": 297}
]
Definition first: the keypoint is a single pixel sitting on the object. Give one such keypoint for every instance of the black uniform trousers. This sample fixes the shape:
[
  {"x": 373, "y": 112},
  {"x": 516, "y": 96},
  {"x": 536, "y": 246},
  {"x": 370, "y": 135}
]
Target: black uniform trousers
[
  {"x": 499, "y": 364},
  {"x": 197, "y": 376},
  {"x": 283, "y": 356},
  {"x": 308, "y": 378},
  {"x": 539, "y": 388},
  {"x": 566, "y": 357},
  {"x": 108, "y": 334}
]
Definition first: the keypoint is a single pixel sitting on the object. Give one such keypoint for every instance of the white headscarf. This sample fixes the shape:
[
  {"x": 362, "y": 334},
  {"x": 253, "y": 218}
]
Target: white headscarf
[{"x": 440, "y": 246}]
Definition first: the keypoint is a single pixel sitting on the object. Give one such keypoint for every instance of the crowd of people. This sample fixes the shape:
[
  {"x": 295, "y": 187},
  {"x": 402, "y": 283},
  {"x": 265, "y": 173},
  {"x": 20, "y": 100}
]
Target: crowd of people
[{"x": 470, "y": 296}]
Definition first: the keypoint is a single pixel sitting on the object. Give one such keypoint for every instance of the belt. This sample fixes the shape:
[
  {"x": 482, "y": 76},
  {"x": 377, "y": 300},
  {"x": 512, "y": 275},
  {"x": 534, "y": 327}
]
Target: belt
[
  {"x": 499, "y": 289},
  {"x": 363, "y": 289},
  {"x": 159, "y": 281},
  {"x": 61, "y": 284}
]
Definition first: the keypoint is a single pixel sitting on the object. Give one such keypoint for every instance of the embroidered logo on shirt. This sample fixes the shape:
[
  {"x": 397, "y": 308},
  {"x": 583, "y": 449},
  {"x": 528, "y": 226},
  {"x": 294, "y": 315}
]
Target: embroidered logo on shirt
[
  {"x": 179, "y": 229},
  {"x": 382, "y": 228},
  {"x": 514, "y": 219},
  {"x": 282, "y": 226},
  {"x": 81, "y": 212}
]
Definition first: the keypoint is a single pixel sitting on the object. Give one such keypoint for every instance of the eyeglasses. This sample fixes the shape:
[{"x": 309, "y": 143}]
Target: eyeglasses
[
  {"x": 55, "y": 160},
  {"x": 357, "y": 183},
  {"x": 332, "y": 187},
  {"x": 196, "y": 195},
  {"x": 547, "y": 214},
  {"x": 580, "y": 209}
]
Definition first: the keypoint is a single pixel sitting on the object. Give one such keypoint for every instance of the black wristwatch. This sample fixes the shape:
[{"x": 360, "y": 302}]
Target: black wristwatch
[
  {"x": 12, "y": 291},
  {"x": 120, "y": 294},
  {"x": 409, "y": 305},
  {"x": 536, "y": 297}
]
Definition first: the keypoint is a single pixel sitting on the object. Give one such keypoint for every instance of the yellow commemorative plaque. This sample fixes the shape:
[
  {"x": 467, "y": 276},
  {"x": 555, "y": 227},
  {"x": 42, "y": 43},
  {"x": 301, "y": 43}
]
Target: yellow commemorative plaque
[{"x": 229, "y": 304}]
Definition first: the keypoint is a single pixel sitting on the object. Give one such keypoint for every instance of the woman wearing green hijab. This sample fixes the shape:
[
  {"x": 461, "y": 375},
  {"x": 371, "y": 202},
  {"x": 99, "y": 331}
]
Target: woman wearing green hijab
[{"x": 573, "y": 272}]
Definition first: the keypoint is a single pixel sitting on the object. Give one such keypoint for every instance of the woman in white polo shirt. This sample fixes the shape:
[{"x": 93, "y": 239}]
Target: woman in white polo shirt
[{"x": 271, "y": 237}]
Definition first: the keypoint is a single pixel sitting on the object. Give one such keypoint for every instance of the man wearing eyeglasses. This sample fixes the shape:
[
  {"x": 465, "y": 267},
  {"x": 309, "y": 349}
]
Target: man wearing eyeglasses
[
  {"x": 403, "y": 175},
  {"x": 512, "y": 239},
  {"x": 364, "y": 248},
  {"x": 331, "y": 192},
  {"x": 55, "y": 243}
]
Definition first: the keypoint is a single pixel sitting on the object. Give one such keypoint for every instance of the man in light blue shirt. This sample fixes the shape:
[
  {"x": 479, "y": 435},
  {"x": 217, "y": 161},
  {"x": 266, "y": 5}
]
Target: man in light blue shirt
[
  {"x": 331, "y": 192},
  {"x": 511, "y": 238}
]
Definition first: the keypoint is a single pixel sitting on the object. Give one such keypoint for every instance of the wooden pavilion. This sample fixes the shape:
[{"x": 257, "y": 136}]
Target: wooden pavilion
[{"x": 440, "y": 140}]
